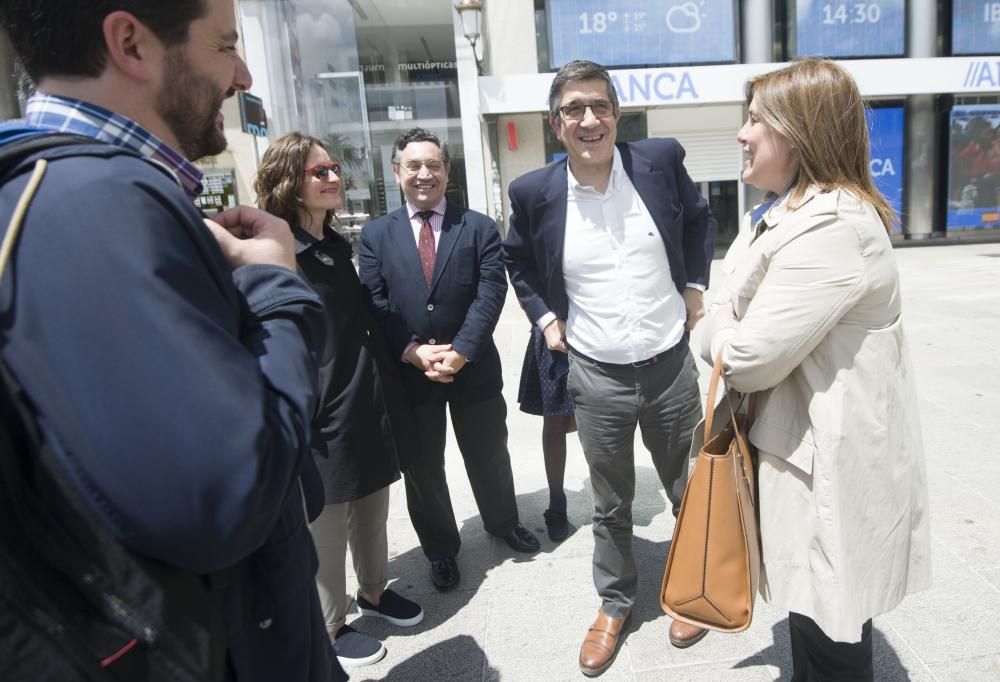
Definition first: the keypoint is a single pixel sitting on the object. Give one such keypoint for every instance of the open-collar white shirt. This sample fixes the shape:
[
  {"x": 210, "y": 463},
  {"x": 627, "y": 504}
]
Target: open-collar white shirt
[{"x": 623, "y": 305}]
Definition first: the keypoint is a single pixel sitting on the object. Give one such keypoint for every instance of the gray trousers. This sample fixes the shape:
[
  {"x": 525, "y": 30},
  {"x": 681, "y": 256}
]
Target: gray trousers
[
  {"x": 360, "y": 524},
  {"x": 663, "y": 399}
]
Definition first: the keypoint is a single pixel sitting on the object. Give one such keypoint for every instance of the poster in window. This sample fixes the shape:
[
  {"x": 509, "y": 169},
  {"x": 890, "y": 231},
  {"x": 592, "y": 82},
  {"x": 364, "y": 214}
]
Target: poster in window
[{"x": 974, "y": 173}]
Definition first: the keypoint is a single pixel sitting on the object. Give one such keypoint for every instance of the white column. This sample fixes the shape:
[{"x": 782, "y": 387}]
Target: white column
[
  {"x": 921, "y": 128},
  {"x": 757, "y": 18},
  {"x": 472, "y": 132},
  {"x": 758, "y": 31}
]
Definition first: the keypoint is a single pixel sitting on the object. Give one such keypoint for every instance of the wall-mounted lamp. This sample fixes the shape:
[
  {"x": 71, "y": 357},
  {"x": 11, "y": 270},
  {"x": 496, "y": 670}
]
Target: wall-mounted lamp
[{"x": 471, "y": 14}]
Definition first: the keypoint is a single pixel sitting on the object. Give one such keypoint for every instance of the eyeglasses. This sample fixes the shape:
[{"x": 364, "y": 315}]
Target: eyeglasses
[
  {"x": 602, "y": 108},
  {"x": 321, "y": 171},
  {"x": 413, "y": 167}
]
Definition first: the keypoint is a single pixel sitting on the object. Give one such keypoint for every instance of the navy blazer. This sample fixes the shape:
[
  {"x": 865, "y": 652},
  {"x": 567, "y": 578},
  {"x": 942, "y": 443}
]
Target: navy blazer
[
  {"x": 533, "y": 249},
  {"x": 461, "y": 306}
]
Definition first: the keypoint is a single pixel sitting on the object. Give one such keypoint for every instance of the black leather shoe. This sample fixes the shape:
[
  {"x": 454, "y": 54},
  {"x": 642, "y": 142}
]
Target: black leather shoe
[
  {"x": 444, "y": 573},
  {"x": 556, "y": 524},
  {"x": 521, "y": 539}
]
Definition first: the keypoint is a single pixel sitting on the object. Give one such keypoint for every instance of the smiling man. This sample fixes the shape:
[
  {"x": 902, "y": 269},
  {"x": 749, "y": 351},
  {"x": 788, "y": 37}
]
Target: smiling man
[
  {"x": 609, "y": 254},
  {"x": 437, "y": 285},
  {"x": 168, "y": 359}
]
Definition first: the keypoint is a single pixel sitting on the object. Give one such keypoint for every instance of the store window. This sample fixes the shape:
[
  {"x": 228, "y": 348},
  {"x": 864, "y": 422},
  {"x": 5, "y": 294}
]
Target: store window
[
  {"x": 356, "y": 74},
  {"x": 834, "y": 28},
  {"x": 623, "y": 33}
]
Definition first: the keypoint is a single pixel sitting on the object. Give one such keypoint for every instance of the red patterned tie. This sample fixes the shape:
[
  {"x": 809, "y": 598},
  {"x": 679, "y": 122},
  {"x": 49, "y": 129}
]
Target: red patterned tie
[{"x": 425, "y": 246}]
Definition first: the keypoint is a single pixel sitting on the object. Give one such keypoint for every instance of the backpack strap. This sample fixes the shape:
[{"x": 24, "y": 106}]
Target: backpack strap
[{"x": 17, "y": 219}]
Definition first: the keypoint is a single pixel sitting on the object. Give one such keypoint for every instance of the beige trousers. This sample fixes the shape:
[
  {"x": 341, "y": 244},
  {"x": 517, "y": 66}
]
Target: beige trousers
[{"x": 361, "y": 524}]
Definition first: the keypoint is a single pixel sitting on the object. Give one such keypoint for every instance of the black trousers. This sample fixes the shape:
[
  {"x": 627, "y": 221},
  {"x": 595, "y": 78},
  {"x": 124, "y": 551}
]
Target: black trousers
[
  {"x": 481, "y": 432},
  {"x": 817, "y": 658}
]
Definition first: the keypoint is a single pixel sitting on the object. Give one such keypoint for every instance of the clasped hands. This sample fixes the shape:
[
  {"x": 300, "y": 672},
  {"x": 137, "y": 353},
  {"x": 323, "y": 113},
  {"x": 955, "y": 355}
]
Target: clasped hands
[{"x": 439, "y": 362}]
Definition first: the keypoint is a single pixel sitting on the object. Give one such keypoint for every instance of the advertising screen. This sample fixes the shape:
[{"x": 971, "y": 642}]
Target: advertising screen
[
  {"x": 885, "y": 128},
  {"x": 642, "y": 32},
  {"x": 974, "y": 174},
  {"x": 975, "y": 27},
  {"x": 832, "y": 28}
]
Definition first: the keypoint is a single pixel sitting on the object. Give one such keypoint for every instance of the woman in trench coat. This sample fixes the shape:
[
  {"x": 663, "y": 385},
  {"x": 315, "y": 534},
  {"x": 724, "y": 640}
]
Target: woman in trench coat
[{"x": 809, "y": 317}]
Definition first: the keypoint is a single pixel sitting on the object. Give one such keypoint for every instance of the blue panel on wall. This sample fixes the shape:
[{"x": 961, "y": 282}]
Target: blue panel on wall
[
  {"x": 834, "y": 28},
  {"x": 975, "y": 27},
  {"x": 885, "y": 127},
  {"x": 642, "y": 32}
]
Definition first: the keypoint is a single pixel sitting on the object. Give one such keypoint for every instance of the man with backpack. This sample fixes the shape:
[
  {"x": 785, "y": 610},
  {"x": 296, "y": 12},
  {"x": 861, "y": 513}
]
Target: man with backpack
[{"x": 164, "y": 360}]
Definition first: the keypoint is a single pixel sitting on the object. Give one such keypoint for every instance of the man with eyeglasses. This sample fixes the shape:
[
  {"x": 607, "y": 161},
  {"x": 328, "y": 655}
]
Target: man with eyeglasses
[
  {"x": 609, "y": 254},
  {"x": 436, "y": 282}
]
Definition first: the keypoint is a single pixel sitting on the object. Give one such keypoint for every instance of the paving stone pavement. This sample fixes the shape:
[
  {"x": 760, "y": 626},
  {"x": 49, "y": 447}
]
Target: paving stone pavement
[{"x": 517, "y": 617}]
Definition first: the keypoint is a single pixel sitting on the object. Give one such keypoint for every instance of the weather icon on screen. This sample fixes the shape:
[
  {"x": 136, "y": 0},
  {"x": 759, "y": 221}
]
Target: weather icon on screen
[{"x": 684, "y": 18}]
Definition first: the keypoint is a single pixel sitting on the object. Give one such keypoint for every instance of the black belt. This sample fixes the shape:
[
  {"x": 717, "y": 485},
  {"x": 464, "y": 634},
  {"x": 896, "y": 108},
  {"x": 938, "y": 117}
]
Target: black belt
[{"x": 642, "y": 363}]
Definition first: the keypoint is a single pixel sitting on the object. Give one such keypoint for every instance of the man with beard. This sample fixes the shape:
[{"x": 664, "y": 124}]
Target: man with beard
[{"x": 167, "y": 358}]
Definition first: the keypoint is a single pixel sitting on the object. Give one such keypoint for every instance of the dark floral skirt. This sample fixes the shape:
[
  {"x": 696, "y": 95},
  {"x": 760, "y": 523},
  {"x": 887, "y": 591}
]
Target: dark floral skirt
[{"x": 543, "y": 379}]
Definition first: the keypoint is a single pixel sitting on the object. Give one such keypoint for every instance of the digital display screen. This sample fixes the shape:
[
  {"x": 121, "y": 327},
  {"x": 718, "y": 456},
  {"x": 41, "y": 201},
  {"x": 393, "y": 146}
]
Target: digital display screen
[
  {"x": 975, "y": 27},
  {"x": 642, "y": 32},
  {"x": 832, "y": 28},
  {"x": 252, "y": 114},
  {"x": 885, "y": 129},
  {"x": 974, "y": 168}
]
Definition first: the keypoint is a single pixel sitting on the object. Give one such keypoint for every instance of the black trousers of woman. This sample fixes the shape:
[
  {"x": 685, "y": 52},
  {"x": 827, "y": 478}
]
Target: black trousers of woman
[{"x": 817, "y": 658}]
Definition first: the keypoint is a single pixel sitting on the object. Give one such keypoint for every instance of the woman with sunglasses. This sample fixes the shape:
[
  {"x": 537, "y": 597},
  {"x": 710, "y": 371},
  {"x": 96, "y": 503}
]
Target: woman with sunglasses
[{"x": 361, "y": 416}]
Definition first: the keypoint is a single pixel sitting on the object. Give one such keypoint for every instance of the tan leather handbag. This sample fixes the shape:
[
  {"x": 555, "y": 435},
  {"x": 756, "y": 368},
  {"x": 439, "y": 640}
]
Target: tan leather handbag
[{"x": 712, "y": 570}]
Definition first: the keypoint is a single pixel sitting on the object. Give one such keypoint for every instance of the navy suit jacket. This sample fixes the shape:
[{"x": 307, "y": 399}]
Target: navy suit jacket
[
  {"x": 461, "y": 306},
  {"x": 533, "y": 249}
]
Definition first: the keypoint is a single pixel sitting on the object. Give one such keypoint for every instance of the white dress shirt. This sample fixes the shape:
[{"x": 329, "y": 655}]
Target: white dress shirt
[{"x": 623, "y": 305}]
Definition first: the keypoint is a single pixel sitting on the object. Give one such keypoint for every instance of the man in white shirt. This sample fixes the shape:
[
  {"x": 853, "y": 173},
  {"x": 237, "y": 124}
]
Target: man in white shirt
[{"x": 609, "y": 254}]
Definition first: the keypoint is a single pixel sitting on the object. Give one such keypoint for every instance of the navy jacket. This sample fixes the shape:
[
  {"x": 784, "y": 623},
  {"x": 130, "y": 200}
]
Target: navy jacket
[
  {"x": 461, "y": 307},
  {"x": 176, "y": 391},
  {"x": 362, "y": 420},
  {"x": 533, "y": 249}
]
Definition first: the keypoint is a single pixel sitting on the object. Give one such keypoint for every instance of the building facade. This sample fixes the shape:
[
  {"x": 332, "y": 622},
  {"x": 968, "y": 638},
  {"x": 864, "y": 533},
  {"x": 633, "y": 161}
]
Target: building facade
[
  {"x": 356, "y": 73},
  {"x": 929, "y": 70}
]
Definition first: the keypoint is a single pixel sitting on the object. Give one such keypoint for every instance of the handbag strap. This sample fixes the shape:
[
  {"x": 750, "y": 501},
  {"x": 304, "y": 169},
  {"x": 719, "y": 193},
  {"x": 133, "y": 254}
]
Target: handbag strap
[{"x": 713, "y": 389}]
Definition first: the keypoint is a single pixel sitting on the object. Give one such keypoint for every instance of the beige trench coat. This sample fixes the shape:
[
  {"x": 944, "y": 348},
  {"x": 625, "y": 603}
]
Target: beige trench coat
[{"x": 843, "y": 493}]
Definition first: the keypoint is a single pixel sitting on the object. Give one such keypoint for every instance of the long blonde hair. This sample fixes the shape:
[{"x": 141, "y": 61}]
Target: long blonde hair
[{"x": 817, "y": 106}]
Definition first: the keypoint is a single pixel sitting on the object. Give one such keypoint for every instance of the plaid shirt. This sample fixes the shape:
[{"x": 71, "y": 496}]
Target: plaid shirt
[{"x": 67, "y": 115}]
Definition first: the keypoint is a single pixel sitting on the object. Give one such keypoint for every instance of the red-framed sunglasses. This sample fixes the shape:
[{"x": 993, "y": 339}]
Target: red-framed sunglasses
[{"x": 321, "y": 171}]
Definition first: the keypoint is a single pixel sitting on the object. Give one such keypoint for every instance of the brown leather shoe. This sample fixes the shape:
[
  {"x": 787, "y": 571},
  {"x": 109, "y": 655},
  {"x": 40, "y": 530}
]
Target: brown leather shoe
[
  {"x": 683, "y": 635},
  {"x": 601, "y": 644}
]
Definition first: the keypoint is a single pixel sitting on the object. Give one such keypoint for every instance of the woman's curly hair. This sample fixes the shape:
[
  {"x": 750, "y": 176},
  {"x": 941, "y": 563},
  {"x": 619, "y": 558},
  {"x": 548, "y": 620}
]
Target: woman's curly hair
[{"x": 280, "y": 177}]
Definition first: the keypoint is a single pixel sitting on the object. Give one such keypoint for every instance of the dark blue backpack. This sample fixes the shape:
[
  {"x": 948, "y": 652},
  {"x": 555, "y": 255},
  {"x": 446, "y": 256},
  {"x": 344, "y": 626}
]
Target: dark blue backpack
[{"x": 75, "y": 603}]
